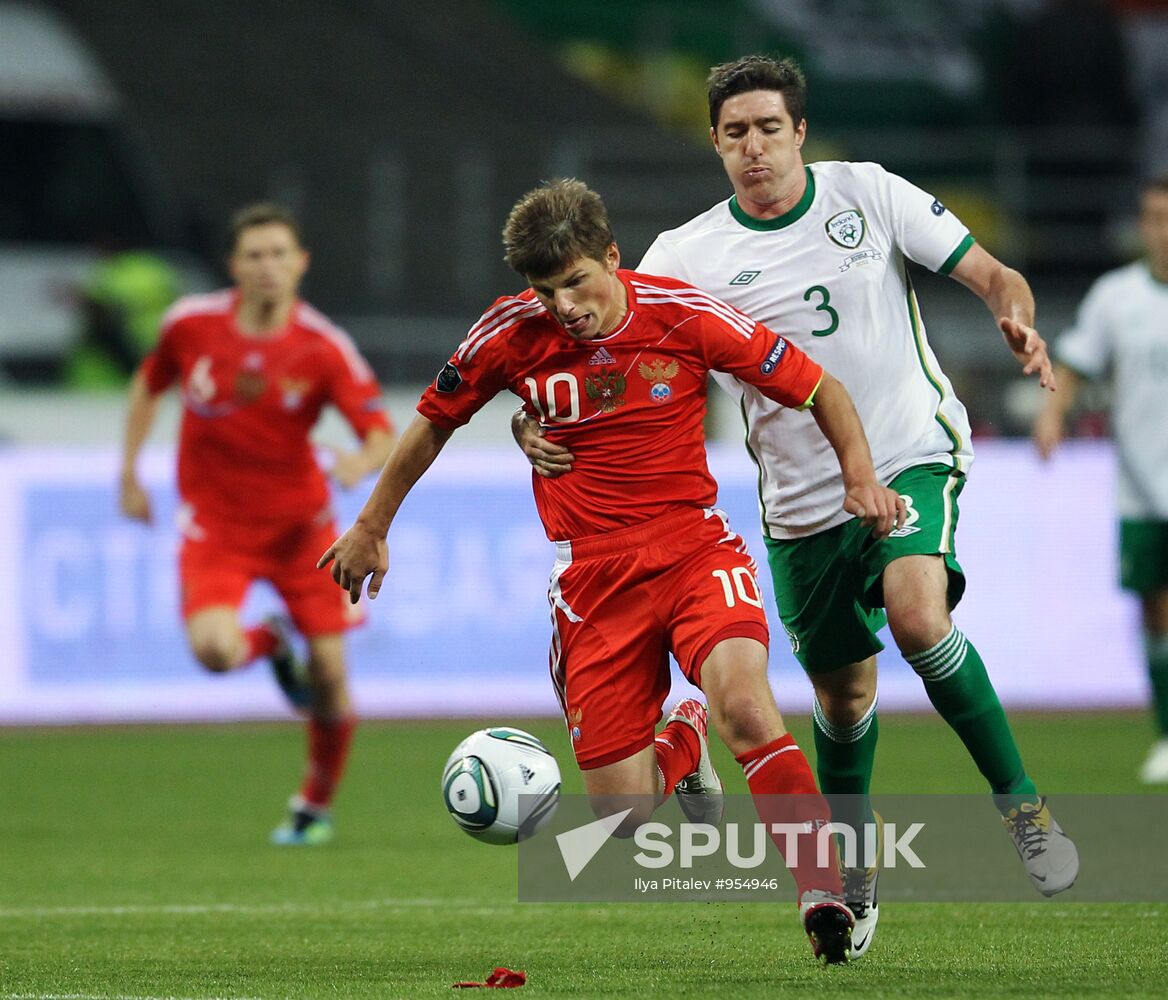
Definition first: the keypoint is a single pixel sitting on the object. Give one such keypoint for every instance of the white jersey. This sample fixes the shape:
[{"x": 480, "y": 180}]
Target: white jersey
[
  {"x": 1121, "y": 331},
  {"x": 830, "y": 276}
]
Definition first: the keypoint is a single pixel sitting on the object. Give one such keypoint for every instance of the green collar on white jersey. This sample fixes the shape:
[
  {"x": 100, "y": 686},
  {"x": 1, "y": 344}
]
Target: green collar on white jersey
[{"x": 779, "y": 221}]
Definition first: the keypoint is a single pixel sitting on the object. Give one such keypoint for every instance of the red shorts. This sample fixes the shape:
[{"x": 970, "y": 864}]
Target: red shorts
[
  {"x": 622, "y": 602},
  {"x": 219, "y": 560}
]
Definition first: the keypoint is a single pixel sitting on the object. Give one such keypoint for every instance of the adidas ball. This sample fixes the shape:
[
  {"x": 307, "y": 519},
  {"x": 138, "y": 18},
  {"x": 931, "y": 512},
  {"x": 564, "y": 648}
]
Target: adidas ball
[{"x": 485, "y": 777}]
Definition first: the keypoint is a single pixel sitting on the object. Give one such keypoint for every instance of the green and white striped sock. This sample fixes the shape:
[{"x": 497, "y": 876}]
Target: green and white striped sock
[{"x": 959, "y": 688}]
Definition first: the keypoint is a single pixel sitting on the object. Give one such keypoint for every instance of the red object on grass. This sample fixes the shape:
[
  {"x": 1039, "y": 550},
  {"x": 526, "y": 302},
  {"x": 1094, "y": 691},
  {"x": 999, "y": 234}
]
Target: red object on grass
[{"x": 501, "y": 978}]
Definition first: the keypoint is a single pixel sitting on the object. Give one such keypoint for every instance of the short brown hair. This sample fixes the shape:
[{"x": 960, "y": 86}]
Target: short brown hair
[
  {"x": 757, "y": 73},
  {"x": 553, "y": 225},
  {"x": 263, "y": 213}
]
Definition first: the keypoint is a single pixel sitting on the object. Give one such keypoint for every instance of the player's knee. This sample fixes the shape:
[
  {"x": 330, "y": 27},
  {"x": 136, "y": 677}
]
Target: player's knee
[
  {"x": 213, "y": 654},
  {"x": 745, "y": 720},
  {"x": 916, "y": 628},
  {"x": 845, "y": 698}
]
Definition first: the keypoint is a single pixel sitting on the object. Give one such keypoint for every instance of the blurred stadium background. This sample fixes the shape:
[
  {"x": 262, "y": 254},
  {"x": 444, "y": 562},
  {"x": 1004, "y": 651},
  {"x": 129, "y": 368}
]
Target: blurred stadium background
[{"x": 401, "y": 134}]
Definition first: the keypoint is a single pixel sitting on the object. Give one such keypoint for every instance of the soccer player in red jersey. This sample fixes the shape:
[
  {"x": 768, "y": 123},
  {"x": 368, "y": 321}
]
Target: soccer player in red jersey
[
  {"x": 255, "y": 366},
  {"x": 615, "y": 364}
]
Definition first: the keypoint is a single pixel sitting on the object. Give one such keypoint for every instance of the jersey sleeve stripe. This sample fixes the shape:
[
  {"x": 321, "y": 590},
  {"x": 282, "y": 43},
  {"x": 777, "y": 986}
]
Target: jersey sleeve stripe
[
  {"x": 691, "y": 295},
  {"x": 810, "y": 400},
  {"x": 317, "y": 322},
  {"x": 198, "y": 305},
  {"x": 745, "y": 329},
  {"x": 701, "y": 301},
  {"x": 955, "y": 257},
  {"x": 493, "y": 322}
]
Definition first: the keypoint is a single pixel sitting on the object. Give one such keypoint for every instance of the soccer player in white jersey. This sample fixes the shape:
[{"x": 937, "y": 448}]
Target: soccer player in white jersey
[
  {"x": 819, "y": 252},
  {"x": 1121, "y": 332}
]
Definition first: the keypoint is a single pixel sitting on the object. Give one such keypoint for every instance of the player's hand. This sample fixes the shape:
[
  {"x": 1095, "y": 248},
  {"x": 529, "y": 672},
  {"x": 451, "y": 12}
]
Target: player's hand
[
  {"x": 1048, "y": 433},
  {"x": 549, "y": 460},
  {"x": 357, "y": 554},
  {"x": 877, "y": 507},
  {"x": 134, "y": 501},
  {"x": 348, "y": 468},
  {"x": 1030, "y": 350}
]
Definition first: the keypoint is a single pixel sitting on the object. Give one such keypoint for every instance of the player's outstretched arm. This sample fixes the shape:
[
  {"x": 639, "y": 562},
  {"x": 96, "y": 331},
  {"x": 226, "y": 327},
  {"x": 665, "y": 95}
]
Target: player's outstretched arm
[
  {"x": 361, "y": 551},
  {"x": 350, "y": 467},
  {"x": 549, "y": 460},
  {"x": 141, "y": 409},
  {"x": 875, "y": 505},
  {"x": 1049, "y": 424},
  {"x": 1008, "y": 296}
]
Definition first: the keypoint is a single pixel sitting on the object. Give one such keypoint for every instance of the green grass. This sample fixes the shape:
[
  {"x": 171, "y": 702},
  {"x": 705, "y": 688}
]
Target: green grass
[{"x": 134, "y": 863}]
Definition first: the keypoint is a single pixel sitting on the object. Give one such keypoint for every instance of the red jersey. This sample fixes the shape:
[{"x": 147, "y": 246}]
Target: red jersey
[
  {"x": 630, "y": 405},
  {"x": 249, "y": 404}
]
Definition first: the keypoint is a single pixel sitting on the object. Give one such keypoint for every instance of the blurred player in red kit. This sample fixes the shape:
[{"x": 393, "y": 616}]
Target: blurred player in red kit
[
  {"x": 255, "y": 366},
  {"x": 614, "y": 364}
]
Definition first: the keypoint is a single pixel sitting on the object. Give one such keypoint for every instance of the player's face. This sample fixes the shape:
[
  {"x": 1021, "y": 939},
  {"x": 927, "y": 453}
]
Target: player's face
[
  {"x": 1154, "y": 230},
  {"x": 268, "y": 263},
  {"x": 760, "y": 149},
  {"x": 586, "y": 298}
]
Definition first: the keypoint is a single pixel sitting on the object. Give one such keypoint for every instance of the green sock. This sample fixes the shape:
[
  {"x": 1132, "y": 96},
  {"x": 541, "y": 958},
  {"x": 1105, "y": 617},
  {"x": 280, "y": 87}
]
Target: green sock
[
  {"x": 1156, "y": 647},
  {"x": 959, "y": 688},
  {"x": 843, "y": 760}
]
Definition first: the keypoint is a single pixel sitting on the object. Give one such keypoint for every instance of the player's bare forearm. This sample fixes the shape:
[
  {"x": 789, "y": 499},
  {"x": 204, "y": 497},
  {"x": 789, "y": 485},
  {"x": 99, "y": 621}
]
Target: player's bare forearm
[
  {"x": 407, "y": 462},
  {"x": 375, "y": 449},
  {"x": 1051, "y": 420},
  {"x": 864, "y": 497},
  {"x": 1007, "y": 295},
  {"x": 141, "y": 409},
  {"x": 349, "y": 468},
  {"x": 836, "y": 416},
  {"x": 361, "y": 552}
]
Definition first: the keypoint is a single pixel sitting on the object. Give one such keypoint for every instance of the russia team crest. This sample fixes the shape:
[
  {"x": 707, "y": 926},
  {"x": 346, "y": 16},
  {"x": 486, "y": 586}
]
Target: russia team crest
[
  {"x": 846, "y": 229},
  {"x": 659, "y": 374}
]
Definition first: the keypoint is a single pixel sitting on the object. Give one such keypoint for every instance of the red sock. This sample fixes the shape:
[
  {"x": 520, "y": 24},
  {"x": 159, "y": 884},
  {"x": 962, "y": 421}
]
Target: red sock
[
  {"x": 328, "y": 748},
  {"x": 260, "y": 641},
  {"x": 678, "y": 750},
  {"x": 784, "y": 791}
]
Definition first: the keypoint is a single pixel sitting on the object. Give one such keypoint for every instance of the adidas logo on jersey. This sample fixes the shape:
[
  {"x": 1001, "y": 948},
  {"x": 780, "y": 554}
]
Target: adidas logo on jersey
[{"x": 602, "y": 357}]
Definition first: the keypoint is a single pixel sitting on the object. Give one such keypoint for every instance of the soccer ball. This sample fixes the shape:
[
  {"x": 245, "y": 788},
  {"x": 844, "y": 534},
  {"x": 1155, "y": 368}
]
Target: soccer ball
[{"x": 486, "y": 775}]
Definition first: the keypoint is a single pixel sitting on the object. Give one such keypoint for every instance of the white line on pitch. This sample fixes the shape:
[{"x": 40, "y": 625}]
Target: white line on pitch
[{"x": 195, "y": 909}]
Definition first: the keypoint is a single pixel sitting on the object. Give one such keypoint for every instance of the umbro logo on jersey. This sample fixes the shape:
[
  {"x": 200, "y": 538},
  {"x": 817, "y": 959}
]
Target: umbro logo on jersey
[
  {"x": 744, "y": 277},
  {"x": 602, "y": 357}
]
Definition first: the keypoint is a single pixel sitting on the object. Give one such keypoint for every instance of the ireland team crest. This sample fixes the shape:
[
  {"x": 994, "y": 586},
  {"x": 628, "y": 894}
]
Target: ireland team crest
[{"x": 846, "y": 229}]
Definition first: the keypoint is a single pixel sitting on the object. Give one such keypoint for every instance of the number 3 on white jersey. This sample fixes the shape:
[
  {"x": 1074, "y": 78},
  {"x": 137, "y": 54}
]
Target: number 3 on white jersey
[{"x": 550, "y": 411}]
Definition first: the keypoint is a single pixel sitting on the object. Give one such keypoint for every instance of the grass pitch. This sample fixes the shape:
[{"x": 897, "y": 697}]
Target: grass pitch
[{"x": 134, "y": 864}]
